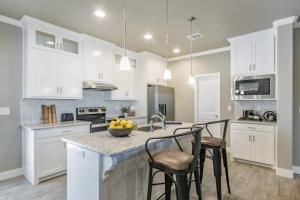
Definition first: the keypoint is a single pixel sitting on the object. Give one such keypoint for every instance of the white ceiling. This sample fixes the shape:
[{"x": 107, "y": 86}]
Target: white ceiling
[{"x": 216, "y": 19}]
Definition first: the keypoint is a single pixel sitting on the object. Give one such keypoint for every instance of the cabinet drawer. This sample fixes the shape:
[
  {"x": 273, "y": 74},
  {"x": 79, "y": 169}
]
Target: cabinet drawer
[
  {"x": 253, "y": 127},
  {"x": 55, "y": 132}
]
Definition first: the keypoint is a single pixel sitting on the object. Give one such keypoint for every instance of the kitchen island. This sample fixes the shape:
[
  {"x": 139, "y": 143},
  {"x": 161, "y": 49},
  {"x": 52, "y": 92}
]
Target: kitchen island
[{"x": 103, "y": 167}]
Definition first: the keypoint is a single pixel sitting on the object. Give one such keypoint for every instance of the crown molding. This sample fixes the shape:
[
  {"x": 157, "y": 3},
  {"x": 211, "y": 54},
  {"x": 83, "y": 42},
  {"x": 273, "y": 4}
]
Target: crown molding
[
  {"x": 285, "y": 21},
  {"x": 203, "y": 53},
  {"x": 11, "y": 21}
]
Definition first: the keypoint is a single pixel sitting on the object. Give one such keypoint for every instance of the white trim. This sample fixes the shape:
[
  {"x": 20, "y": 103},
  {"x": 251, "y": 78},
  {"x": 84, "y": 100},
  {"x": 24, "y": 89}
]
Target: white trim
[
  {"x": 11, "y": 21},
  {"x": 203, "y": 53},
  {"x": 296, "y": 169},
  {"x": 284, "y": 173},
  {"x": 297, "y": 25},
  {"x": 285, "y": 21},
  {"x": 228, "y": 149},
  {"x": 11, "y": 174}
]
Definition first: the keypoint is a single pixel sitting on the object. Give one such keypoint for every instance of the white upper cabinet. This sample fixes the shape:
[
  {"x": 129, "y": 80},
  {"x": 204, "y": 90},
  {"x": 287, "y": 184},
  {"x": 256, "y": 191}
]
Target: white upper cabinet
[
  {"x": 126, "y": 81},
  {"x": 253, "y": 54},
  {"x": 154, "y": 67},
  {"x": 53, "y": 65},
  {"x": 98, "y": 60}
]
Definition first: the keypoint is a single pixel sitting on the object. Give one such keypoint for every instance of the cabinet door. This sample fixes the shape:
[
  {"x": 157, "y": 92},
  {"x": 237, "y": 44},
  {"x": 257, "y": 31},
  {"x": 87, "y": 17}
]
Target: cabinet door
[
  {"x": 98, "y": 62},
  {"x": 44, "y": 40},
  {"x": 121, "y": 79},
  {"x": 264, "y": 55},
  {"x": 241, "y": 144},
  {"x": 70, "y": 76},
  {"x": 43, "y": 73},
  {"x": 241, "y": 57},
  {"x": 51, "y": 156},
  {"x": 263, "y": 147}
]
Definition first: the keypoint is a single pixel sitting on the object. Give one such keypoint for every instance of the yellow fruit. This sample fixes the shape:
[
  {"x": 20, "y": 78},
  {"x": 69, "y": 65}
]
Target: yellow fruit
[
  {"x": 123, "y": 122},
  {"x": 129, "y": 126}
]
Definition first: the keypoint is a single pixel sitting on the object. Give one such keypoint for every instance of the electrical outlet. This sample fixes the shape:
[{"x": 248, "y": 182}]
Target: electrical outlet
[
  {"x": 229, "y": 108},
  {"x": 4, "y": 111}
]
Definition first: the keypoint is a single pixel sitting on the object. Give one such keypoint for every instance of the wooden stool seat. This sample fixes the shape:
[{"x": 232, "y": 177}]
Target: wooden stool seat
[
  {"x": 173, "y": 159},
  {"x": 211, "y": 142}
]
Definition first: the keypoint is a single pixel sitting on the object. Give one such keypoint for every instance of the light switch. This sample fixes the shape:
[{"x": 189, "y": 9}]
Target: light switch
[
  {"x": 229, "y": 107},
  {"x": 4, "y": 111}
]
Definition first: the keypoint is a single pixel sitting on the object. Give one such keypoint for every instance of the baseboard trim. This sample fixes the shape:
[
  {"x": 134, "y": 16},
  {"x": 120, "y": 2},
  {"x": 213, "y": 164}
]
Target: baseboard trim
[
  {"x": 296, "y": 169},
  {"x": 11, "y": 174},
  {"x": 285, "y": 173}
]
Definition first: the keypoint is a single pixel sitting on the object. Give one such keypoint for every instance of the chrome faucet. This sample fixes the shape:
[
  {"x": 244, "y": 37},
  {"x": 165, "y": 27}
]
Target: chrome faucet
[{"x": 161, "y": 117}]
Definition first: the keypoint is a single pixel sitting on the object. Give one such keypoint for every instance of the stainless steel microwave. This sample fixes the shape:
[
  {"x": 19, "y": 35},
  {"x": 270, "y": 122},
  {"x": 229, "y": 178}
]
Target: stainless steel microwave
[{"x": 253, "y": 87}]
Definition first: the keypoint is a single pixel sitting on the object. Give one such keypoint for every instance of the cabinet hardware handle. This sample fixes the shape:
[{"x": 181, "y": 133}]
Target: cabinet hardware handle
[
  {"x": 99, "y": 76},
  {"x": 254, "y": 67},
  {"x": 250, "y": 67},
  {"x": 250, "y": 138},
  {"x": 60, "y": 46},
  {"x": 57, "y": 89},
  {"x": 61, "y": 90},
  {"x": 253, "y": 138}
]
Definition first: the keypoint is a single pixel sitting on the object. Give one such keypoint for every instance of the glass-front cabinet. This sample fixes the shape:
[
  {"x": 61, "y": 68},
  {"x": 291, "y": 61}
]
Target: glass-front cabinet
[
  {"x": 45, "y": 39},
  {"x": 70, "y": 46},
  {"x": 50, "y": 40}
]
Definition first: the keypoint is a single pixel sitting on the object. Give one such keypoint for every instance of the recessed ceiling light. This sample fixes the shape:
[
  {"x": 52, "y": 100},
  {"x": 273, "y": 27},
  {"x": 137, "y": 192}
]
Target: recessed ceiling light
[
  {"x": 148, "y": 36},
  {"x": 176, "y": 50},
  {"x": 100, "y": 13}
]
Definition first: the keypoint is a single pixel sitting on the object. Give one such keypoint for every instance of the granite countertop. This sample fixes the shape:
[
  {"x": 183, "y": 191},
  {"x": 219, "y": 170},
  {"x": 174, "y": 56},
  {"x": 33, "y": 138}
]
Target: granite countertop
[
  {"x": 39, "y": 126},
  {"x": 254, "y": 122},
  {"x": 104, "y": 143}
]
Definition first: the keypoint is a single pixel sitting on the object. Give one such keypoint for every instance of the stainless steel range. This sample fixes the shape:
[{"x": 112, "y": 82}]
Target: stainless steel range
[{"x": 95, "y": 115}]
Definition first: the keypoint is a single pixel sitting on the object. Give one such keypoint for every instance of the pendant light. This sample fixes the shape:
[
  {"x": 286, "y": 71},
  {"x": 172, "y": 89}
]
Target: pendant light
[
  {"x": 191, "y": 80},
  {"x": 167, "y": 72},
  {"x": 124, "y": 63}
]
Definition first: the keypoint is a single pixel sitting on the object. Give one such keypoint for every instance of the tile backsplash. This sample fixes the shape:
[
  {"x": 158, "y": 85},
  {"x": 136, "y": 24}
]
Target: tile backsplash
[
  {"x": 31, "y": 108},
  {"x": 258, "y": 105}
]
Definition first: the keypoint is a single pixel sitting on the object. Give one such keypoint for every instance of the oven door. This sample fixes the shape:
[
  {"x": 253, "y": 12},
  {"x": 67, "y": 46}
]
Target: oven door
[{"x": 253, "y": 87}]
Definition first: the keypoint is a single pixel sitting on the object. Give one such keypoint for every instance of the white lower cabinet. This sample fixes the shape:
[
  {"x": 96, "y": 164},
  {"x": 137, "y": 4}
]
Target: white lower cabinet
[
  {"x": 51, "y": 156},
  {"x": 253, "y": 142},
  {"x": 44, "y": 152}
]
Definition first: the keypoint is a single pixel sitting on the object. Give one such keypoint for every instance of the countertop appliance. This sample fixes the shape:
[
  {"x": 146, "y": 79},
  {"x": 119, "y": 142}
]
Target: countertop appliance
[
  {"x": 95, "y": 115},
  {"x": 65, "y": 117},
  {"x": 253, "y": 87},
  {"x": 251, "y": 115},
  {"x": 160, "y": 99},
  {"x": 270, "y": 116}
]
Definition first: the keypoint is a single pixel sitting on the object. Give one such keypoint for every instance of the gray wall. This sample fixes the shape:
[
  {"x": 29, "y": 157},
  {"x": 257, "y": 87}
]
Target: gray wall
[
  {"x": 285, "y": 97},
  {"x": 10, "y": 92},
  {"x": 184, "y": 93},
  {"x": 296, "y": 139}
]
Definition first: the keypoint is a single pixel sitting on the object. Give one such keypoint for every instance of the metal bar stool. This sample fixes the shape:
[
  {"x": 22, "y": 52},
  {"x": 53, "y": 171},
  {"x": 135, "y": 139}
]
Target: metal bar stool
[
  {"x": 176, "y": 163},
  {"x": 218, "y": 147}
]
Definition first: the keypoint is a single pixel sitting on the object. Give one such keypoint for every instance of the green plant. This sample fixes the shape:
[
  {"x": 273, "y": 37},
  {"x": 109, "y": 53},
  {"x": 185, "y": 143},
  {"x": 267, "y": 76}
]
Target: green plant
[{"x": 124, "y": 110}]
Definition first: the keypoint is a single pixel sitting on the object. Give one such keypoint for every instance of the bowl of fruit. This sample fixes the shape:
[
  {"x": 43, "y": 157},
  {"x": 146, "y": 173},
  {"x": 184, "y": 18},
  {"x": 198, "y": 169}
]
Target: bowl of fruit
[{"x": 120, "y": 127}]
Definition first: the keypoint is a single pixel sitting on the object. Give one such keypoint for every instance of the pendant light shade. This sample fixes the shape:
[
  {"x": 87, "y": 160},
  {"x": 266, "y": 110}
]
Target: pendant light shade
[
  {"x": 167, "y": 72},
  {"x": 191, "y": 80},
  {"x": 124, "y": 64}
]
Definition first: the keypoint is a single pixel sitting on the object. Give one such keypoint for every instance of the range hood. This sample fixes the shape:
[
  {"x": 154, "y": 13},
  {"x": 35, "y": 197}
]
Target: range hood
[{"x": 89, "y": 85}]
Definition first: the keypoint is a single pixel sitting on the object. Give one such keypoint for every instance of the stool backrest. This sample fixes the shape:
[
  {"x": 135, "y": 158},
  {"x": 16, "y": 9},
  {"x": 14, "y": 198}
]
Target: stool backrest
[
  {"x": 195, "y": 131},
  {"x": 207, "y": 124}
]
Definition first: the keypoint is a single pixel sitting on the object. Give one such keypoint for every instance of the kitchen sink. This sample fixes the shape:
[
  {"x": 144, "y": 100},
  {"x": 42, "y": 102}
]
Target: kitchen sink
[{"x": 147, "y": 128}]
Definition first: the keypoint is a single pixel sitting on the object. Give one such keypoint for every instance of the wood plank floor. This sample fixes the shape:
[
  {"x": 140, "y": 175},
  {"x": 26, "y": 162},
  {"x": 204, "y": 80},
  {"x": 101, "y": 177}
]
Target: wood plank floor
[{"x": 248, "y": 182}]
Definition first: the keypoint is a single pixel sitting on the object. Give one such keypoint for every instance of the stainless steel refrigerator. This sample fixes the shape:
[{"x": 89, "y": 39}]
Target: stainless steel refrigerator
[{"x": 161, "y": 99}]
